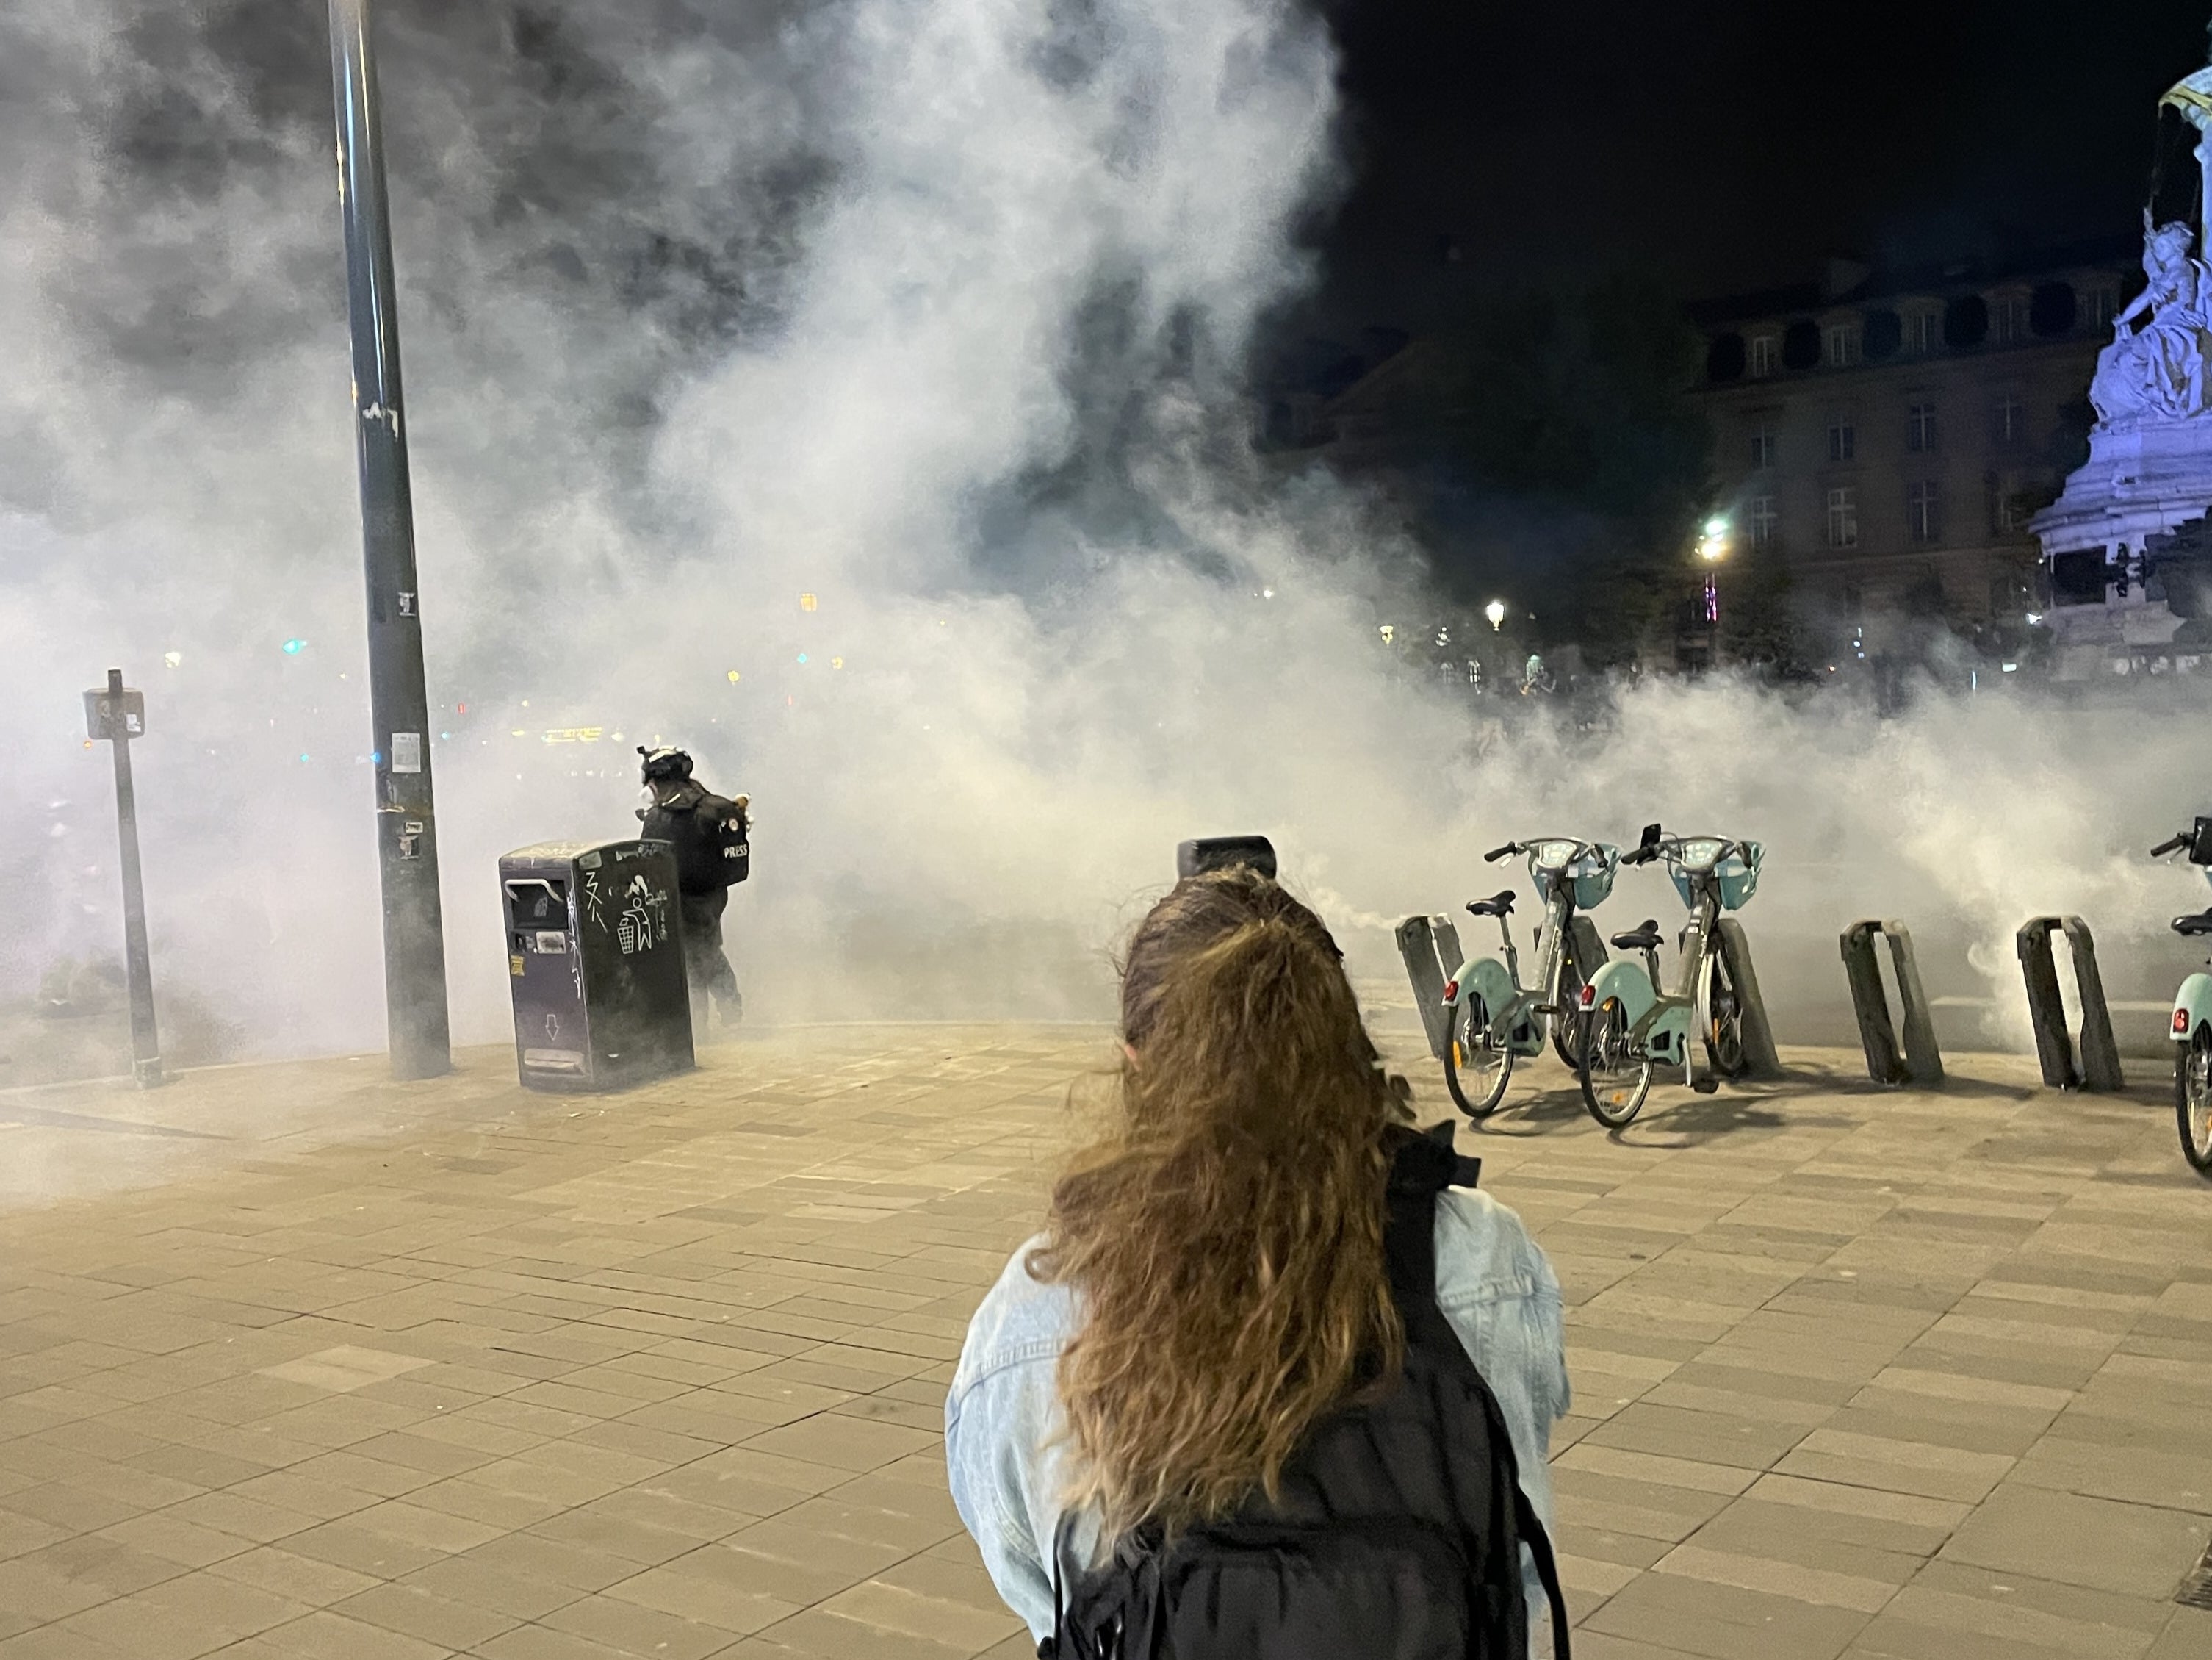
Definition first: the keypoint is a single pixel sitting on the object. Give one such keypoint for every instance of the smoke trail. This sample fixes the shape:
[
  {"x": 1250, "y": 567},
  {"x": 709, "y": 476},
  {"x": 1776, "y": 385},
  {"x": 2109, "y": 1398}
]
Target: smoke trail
[{"x": 937, "y": 314}]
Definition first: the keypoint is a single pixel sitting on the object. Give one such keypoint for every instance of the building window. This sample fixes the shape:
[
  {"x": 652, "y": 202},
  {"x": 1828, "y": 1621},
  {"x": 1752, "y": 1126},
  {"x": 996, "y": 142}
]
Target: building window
[
  {"x": 1763, "y": 522},
  {"x": 1843, "y": 517},
  {"x": 1923, "y": 511},
  {"x": 2008, "y": 421},
  {"x": 2009, "y": 514},
  {"x": 1764, "y": 350},
  {"x": 1843, "y": 345},
  {"x": 1843, "y": 439},
  {"x": 1922, "y": 330},
  {"x": 2008, "y": 318},
  {"x": 1920, "y": 429},
  {"x": 1762, "y": 446}
]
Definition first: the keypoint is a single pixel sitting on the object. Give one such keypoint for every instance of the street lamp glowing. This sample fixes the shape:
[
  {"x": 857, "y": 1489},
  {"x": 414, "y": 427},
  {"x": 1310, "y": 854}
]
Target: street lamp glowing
[{"x": 1495, "y": 611}]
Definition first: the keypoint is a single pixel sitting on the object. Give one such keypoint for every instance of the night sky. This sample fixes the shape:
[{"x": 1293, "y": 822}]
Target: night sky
[{"x": 1730, "y": 144}]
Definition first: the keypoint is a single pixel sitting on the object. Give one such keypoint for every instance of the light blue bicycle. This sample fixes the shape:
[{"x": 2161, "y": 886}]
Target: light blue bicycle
[
  {"x": 2192, "y": 1014},
  {"x": 1491, "y": 1018},
  {"x": 1630, "y": 1028}
]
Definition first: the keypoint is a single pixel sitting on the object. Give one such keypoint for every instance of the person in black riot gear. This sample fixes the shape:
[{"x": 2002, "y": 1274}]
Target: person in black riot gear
[{"x": 712, "y": 837}]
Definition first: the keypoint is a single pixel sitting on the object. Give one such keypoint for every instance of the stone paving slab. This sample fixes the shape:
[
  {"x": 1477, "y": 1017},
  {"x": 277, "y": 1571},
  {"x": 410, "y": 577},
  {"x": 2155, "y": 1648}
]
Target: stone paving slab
[{"x": 297, "y": 1364}]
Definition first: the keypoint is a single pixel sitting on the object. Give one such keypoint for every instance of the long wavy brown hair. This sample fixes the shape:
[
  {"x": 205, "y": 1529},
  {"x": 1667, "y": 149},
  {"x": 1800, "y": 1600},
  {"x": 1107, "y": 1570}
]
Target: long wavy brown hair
[{"x": 1225, "y": 1233}]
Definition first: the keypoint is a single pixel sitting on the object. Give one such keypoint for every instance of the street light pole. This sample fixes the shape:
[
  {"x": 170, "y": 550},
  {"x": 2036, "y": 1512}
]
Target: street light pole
[{"x": 406, "y": 823}]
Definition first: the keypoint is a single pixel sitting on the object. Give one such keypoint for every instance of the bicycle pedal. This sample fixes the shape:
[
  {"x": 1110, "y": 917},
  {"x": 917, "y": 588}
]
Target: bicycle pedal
[{"x": 1705, "y": 1086}]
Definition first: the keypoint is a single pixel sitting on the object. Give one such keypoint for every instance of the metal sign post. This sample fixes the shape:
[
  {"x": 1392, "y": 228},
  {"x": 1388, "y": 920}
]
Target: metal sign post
[
  {"x": 113, "y": 713},
  {"x": 406, "y": 823}
]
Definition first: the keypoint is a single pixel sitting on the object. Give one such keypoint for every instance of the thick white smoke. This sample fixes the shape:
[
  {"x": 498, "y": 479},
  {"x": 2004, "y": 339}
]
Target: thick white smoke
[{"x": 936, "y": 312}]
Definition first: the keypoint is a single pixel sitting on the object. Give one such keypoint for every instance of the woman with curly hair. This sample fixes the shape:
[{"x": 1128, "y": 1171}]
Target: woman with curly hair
[{"x": 1230, "y": 1322}]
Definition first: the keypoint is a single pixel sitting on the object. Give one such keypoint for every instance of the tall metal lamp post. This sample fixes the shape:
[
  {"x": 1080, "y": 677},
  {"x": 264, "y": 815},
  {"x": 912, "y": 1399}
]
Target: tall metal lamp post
[{"x": 406, "y": 822}]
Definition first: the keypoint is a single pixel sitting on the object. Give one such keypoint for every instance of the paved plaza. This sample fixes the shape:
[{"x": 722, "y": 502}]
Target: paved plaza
[{"x": 297, "y": 1364}]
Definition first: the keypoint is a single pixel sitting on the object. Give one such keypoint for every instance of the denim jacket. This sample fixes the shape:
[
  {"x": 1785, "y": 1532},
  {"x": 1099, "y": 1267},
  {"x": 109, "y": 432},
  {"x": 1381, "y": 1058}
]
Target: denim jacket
[{"x": 1492, "y": 1283}]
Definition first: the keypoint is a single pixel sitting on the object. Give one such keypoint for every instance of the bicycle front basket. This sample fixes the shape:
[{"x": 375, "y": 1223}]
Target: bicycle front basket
[
  {"x": 1739, "y": 875},
  {"x": 1593, "y": 874}
]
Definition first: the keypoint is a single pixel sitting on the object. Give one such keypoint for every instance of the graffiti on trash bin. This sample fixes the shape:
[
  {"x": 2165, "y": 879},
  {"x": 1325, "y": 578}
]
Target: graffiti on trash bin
[{"x": 644, "y": 923}]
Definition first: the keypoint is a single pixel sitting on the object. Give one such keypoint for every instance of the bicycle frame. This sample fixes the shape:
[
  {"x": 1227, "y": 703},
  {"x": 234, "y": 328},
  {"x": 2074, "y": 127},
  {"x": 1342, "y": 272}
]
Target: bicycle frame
[
  {"x": 1660, "y": 1024},
  {"x": 2192, "y": 1003},
  {"x": 1508, "y": 1002}
]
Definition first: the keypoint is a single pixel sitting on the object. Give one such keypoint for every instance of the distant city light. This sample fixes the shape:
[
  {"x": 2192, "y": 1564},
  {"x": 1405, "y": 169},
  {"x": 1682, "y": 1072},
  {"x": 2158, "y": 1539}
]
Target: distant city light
[
  {"x": 1495, "y": 611},
  {"x": 375, "y": 758},
  {"x": 1267, "y": 593},
  {"x": 293, "y": 648},
  {"x": 1389, "y": 632},
  {"x": 172, "y": 658},
  {"x": 735, "y": 676},
  {"x": 807, "y": 602},
  {"x": 2034, "y": 617},
  {"x": 2009, "y": 668},
  {"x": 802, "y": 657},
  {"x": 1716, "y": 526},
  {"x": 836, "y": 662}
]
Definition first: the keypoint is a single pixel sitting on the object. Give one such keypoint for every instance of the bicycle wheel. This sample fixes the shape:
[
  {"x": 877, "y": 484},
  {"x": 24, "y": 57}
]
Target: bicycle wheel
[
  {"x": 2192, "y": 1098},
  {"x": 1567, "y": 1025},
  {"x": 1615, "y": 1072},
  {"x": 1475, "y": 1071},
  {"x": 1723, "y": 1018}
]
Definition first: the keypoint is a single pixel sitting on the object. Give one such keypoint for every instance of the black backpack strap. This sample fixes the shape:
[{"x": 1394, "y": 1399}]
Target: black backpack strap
[
  {"x": 1421, "y": 1167},
  {"x": 1548, "y": 1568}
]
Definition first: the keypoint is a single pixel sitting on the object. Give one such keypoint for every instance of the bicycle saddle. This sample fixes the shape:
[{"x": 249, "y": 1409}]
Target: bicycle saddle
[
  {"x": 1498, "y": 904},
  {"x": 1644, "y": 939},
  {"x": 2200, "y": 923}
]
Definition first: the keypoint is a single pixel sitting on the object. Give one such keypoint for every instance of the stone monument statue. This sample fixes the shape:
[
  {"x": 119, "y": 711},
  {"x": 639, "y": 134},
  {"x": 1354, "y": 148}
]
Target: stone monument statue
[
  {"x": 2149, "y": 471},
  {"x": 2155, "y": 368}
]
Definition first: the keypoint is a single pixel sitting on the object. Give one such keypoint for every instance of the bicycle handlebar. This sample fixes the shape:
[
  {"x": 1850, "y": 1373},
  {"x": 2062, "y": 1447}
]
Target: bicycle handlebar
[
  {"x": 2169, "y": 846},
  {"x": 1664, "y": 846},
  {"x": 1497, "y": 854}
]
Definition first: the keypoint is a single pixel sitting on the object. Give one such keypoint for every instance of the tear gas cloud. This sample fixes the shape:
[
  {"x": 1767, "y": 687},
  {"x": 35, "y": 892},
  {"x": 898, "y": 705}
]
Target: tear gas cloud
[{"x": 937, "y": 313}]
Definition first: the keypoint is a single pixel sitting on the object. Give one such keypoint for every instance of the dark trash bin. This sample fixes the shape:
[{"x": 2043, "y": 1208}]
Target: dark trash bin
[{"x": 595, "y": 957}]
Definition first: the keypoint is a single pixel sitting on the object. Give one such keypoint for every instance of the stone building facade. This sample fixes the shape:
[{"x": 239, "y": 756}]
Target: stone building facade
[{"x": 1890, "y": 436}]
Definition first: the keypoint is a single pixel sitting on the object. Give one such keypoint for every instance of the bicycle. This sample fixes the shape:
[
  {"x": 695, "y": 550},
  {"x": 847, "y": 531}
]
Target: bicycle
[
  {"x": 1629, "y": 1028},
  {"x": 2192, "y": 1015},
  {"x": 1491, "y": 1018}
]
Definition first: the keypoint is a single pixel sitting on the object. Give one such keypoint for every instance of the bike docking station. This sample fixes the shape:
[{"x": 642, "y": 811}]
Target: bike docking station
[
  {"x": 1918, "y": 1060},
  {"x": 2055, "y": 1049},
  {"x": 1428, "y": 943},
  {"x": 1762, "y": 1062}
]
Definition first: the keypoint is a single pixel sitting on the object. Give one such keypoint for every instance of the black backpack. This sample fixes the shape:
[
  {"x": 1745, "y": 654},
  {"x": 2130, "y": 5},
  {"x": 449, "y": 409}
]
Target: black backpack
[
  {"x": 712, "y": 840},
  {"x": 1398, "y": 1534}
]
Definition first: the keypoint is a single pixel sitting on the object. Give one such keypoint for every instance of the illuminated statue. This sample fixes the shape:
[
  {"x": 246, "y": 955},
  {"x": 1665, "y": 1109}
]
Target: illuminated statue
[
  {"x": 2191, "y": 99},
  {"x": 2155, "y": 368}
]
